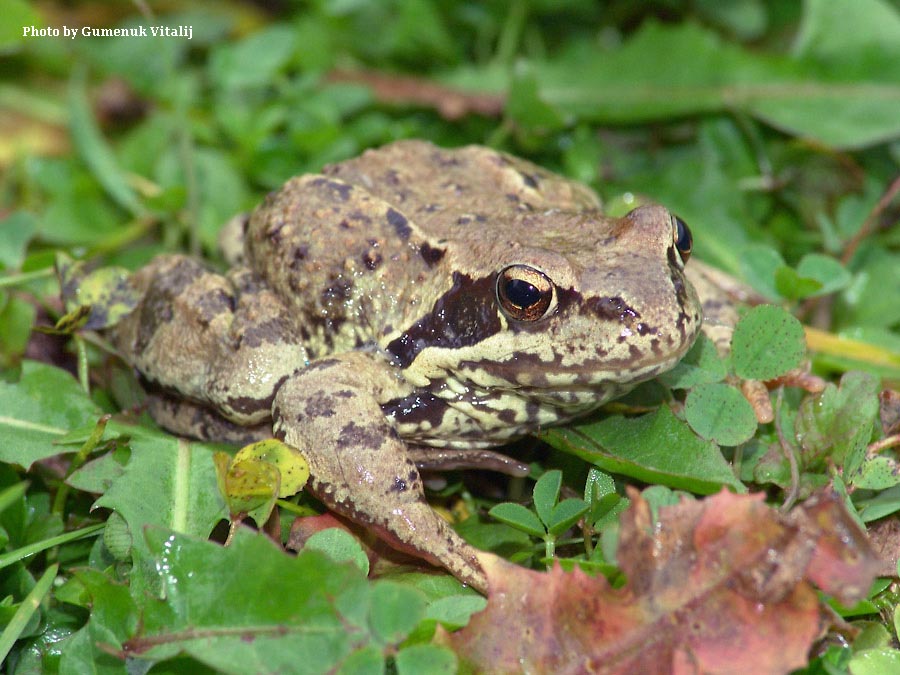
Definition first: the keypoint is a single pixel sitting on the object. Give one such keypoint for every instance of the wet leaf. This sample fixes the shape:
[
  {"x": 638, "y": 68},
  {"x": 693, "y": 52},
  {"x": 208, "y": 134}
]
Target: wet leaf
[{"x": 704, "y": 593}]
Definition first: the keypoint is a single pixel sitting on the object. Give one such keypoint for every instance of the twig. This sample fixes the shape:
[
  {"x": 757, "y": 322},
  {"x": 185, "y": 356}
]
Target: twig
[{"x": 869, "y": 225}]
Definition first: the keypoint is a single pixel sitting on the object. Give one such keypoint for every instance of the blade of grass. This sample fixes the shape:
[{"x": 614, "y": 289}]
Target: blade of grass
[
  {"x": 21, "y": 553},
  {"x": 94, "y": 149},
  {"x": 28, "y": 607},
  {"x": 12, "y": 494}
]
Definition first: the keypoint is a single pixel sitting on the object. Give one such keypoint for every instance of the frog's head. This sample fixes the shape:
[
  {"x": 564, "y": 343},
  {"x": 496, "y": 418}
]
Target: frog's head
[{"x": 584, "y": 303}]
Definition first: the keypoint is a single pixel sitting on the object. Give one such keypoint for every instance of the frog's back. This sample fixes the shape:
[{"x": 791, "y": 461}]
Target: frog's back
[{"x": 362, "y": 249}]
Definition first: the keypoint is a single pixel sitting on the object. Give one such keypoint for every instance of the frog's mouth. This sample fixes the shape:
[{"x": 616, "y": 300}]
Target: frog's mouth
[{"x": 530, "y": 376}]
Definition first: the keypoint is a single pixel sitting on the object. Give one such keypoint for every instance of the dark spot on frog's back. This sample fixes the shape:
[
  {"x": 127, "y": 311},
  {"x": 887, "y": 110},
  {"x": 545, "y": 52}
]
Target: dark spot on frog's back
[
  {"x": 361, "y": 437},
  {"x": 430, "y": 254},
  {"x": 463, "y": 316},
  {"x": 335, "y": 187},
  {"x": 398, "y": 221},
  {"x": 213, "y": 304},
  {"x": 531, "y": 180},
  {"x": 371, "y": 259}
]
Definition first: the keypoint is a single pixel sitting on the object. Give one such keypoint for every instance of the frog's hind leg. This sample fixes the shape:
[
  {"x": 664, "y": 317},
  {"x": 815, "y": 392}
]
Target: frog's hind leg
[
  {"x": 223, "y": 343},
  {"x": 194, "y": 420},
  {"x": 360, "y": 467}
]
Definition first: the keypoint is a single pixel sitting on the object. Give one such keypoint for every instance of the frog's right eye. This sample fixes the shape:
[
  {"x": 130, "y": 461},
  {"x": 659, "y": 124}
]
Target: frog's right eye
[
  {"x": 684, "y": 242},
  {"x": 524, "y": 293}
]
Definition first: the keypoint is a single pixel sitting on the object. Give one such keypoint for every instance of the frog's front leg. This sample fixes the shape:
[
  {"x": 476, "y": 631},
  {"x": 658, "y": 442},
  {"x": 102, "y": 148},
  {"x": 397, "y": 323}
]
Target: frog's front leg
[{"x": 360, "y": 466}]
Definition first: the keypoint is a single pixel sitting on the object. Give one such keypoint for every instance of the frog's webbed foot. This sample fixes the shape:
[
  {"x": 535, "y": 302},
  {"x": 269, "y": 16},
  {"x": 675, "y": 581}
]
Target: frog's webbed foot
[
  {"x": 360, "y": 467},
  {"x": 449, "y": 459}
]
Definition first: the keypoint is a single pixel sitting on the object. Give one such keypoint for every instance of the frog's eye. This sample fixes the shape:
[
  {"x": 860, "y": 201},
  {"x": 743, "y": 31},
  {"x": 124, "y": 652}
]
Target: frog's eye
[
  {"x": 524, "y": 293},
  {"x": 683, "y": 240}
]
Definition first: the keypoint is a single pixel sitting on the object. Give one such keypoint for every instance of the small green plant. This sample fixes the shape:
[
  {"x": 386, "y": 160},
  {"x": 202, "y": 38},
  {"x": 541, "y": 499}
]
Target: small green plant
[{"x": 550, "y": 517}]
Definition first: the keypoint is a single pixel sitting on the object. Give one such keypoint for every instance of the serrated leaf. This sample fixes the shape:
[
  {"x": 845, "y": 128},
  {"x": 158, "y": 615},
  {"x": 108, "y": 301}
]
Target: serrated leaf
[
  {"x": 257, "y": 609},
  {"x": 767, "y": 343},
  {"x": 168, "y": 482},
  {"x": 37, "y": 410},
  {"x": 704, "y": 74},
  {"x": 519, "y": 517},
  {"x": 654, "y": 448},
  {"x": 720, "y": 413}
]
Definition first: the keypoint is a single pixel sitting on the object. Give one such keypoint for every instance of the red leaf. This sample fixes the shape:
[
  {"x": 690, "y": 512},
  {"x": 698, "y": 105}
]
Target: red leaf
[{"x": 715, "y": 586}]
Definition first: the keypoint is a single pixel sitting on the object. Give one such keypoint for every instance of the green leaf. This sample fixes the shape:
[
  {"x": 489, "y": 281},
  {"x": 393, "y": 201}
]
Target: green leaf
[
  {"x": 281, "y": 610},
  {"x": 703, "y": 74},
  {"x": 30, "y": 549},
  {"x": 831, "y": 275},
  {"x": 396, "y": 610},
  {"x": 426, "y": 660},
  {"x": 875, "y": 662},
  {"x": 879, "y": 505},
  {"x": 340, "y": 546},
  {"x": 26, "y": 610},
  {"x": 720, "y": 413},
  {"x": 517, "y": 516},
  {"x": 255, "y": 60},
  {"x": 793, "y": 286},
  {"x": 454, "y": 611},
  {"x": 767, "y": 342},
  {"x": 759, "y": 264},
  {"x": 18, "y": 228},
  {"x": 546, "y": 492},
  {"x": 654, "y": 448},
  {"x": 16, "y": 321},
  {"x": 525, "y": 107},
  {"x": 167, "y": 482},
  {"x": 836, "y": 425},
  {"x": 565, "y": 514},
  {"x": 701, "y": 365},
  {"x": 877, "y": 473},
  {"x": 44, "y": 404}
]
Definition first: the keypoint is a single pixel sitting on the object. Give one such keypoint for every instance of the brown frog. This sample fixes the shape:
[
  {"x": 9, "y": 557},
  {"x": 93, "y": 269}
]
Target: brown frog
[{"x": 412, "y": 308}]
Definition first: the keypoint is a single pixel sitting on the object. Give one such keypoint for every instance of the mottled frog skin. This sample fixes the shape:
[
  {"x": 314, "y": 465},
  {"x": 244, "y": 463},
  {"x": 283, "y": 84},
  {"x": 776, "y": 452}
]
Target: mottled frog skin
[{"x": 412, "y": 307}]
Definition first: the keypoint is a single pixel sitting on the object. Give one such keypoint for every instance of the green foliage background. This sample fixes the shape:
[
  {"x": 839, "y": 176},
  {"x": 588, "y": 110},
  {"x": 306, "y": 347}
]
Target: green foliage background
[{"x": 771, "y": 127}]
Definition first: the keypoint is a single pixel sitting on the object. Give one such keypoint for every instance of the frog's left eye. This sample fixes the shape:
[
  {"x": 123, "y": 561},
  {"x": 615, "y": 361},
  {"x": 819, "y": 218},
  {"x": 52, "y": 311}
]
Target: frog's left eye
[
  {"x": 684, "y": 242},
  {"x": 524, "y": 293}
]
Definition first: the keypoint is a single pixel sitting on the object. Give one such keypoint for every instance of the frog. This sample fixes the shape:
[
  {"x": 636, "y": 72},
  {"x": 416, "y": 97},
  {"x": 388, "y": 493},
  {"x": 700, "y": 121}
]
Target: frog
[{"x": 411, "y": 310}]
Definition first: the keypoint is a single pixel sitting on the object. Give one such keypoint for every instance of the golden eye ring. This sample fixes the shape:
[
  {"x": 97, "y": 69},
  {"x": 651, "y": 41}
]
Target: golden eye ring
[
  {"x": 524, "y": 293},
  {"x": 684, "y": 242}
]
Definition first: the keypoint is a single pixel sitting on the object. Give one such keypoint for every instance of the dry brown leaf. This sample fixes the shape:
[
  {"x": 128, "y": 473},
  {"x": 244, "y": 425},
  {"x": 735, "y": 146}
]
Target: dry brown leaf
[{"x": 720, "y": 585}]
